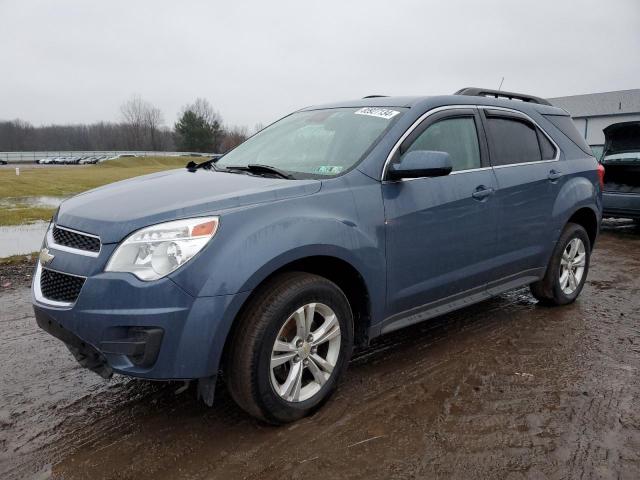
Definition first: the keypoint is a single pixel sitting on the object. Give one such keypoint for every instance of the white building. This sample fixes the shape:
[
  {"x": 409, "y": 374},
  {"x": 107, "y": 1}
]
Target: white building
[{"x": 594, "y": 111}]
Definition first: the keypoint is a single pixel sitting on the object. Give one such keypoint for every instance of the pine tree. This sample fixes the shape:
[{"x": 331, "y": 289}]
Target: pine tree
[{"x": 198, "y": 129}]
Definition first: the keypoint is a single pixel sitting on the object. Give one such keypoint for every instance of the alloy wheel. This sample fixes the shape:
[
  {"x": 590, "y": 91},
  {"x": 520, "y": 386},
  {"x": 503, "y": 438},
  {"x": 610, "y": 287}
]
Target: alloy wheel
[
  {"x": 572, "y": 266},
  {"x": 305, "y": 352}
]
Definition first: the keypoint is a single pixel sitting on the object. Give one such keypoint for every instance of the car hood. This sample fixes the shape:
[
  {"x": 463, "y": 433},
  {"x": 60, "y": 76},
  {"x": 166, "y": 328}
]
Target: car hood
[
  {"x": 116, "y": 210},
  {"x": 621, "y": 137}
]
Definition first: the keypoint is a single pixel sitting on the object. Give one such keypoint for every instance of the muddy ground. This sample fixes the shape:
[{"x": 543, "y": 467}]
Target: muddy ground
[{"x": 503, "y": 389}]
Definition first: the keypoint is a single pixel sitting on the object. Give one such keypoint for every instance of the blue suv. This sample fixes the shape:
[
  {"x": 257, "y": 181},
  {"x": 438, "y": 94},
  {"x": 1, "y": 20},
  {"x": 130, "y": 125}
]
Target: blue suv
[{"x": 330, "y": 227}]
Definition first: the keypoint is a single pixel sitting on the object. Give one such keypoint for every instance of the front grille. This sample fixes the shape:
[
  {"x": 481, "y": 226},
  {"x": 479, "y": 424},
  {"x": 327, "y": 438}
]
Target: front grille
[
  {"x": 76, "y": 240},
  {"x": 60, "y": 287}
]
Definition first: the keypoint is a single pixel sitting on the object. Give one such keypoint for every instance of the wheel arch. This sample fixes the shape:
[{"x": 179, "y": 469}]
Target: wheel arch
[
  {"x": 334, "y": 268},
  {"x": 588, "y": 219}
]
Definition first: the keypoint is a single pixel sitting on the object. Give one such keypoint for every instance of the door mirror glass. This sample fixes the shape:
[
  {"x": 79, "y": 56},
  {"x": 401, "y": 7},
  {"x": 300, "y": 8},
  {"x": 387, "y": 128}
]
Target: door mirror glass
[{"x": 421, "y": 163}]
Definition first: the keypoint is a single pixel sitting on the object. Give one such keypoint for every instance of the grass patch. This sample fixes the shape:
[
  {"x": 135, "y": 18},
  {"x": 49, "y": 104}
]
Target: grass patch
[
  {"x": 18, "y": 259},
  {"x": 24, "y": 214},
  {"x": 66, "y": 181}
]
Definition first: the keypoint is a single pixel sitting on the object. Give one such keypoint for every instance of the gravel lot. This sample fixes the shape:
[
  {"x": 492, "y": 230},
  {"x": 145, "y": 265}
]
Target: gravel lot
[{"x": 503, "y": 389}]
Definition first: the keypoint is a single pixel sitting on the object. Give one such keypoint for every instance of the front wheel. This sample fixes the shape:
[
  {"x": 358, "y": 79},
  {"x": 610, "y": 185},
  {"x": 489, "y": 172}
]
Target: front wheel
[
  {"x": 567, "y": 269},
  {"x": 292, "y": 344}
]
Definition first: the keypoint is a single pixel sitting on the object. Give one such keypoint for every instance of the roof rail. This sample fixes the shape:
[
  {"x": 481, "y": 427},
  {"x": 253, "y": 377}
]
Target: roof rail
[
  {"x": 485, "y": 92},
  {"x": 375, "y": 96}
]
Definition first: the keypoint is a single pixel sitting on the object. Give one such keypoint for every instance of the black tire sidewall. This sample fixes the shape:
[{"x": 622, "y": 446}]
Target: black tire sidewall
[{"x": 274, "y": 407}]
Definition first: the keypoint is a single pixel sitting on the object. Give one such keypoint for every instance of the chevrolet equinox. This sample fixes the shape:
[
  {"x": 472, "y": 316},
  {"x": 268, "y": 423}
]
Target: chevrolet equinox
[{"x": 330, "y": 227}]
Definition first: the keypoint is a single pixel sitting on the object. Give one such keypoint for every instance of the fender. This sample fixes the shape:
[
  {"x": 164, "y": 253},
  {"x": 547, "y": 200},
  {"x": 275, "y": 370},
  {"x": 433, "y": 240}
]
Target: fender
[
  {"x": 369, "y": 263},
  {"x": 578, "y": 192},
  {"x": 375, "y": 288},
  {"x": 367, "y": 273},
  {"x": 344, "y": 219},
  {"x": 347, "y": 223}
]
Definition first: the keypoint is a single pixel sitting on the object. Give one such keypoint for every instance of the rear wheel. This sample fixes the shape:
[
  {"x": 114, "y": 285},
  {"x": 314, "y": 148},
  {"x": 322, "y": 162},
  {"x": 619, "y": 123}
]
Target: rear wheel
[
  {"x": 567, "y": 269},
  {"x": 292, "y": 344}
]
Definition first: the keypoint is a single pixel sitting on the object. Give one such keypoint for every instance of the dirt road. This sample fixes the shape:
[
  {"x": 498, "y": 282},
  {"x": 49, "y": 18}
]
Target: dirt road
[{"x": 504, "y": 389}]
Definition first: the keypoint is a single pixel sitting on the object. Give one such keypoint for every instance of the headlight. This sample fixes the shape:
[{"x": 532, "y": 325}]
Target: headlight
[{"x": 156, "y": 251}]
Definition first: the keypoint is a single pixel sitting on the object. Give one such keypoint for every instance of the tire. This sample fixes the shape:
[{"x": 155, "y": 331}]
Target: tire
[
  {"x": 555, "y": 288},
  {"x": 280, "y": 310}
]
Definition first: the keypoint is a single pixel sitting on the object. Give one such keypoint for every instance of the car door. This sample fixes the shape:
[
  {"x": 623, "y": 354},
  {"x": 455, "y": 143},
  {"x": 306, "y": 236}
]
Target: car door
[
  {"x": 440, "y": 231},
  {"x": 529, "y": 174}
]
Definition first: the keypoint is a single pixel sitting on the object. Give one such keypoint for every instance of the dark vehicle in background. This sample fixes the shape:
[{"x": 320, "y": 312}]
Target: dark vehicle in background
[
  {"x": 3, "y": 162},
  {"x": 621, "y": 160},
  {"x": 330, "y": 227}
]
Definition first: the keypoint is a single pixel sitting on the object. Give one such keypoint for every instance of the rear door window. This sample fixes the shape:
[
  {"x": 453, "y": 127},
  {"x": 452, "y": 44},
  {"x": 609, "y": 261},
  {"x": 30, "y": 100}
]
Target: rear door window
[{"x": 512, "y": 141}]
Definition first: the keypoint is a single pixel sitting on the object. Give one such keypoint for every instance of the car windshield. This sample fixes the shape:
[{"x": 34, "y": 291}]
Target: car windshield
[{"x": 316, "y": 143}]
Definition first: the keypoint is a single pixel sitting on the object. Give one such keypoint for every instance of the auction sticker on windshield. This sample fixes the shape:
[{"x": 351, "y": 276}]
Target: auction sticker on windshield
[
  {"x": 377, "y": 112},
  {"x": 329, "y": 169}
]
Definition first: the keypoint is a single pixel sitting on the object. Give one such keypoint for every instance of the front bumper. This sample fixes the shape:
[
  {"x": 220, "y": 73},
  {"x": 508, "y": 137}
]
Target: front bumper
[
  {"x": 624, "y": 205},
  {"x": 151, "y": 330}
]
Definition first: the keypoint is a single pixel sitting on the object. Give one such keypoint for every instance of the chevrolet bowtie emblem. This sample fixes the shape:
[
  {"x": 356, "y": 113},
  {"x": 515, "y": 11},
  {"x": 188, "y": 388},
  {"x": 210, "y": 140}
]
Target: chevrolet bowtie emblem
[{"x": 45, "y": 257}]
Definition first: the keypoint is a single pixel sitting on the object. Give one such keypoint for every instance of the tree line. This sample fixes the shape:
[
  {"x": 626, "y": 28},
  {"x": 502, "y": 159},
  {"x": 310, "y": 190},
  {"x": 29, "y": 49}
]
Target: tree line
[{"x": 199, "y": 128}]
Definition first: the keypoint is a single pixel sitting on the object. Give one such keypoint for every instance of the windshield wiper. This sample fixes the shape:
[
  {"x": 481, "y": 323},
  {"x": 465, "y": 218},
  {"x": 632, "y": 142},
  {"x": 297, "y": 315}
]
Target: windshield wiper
[
  {"x": 257, "y": 168},
  {"x": 209, "y": 164}
]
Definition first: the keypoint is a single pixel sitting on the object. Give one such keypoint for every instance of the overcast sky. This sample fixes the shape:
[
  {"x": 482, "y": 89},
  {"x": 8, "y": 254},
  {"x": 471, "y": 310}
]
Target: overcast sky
[{"x": 71, "y": 61}]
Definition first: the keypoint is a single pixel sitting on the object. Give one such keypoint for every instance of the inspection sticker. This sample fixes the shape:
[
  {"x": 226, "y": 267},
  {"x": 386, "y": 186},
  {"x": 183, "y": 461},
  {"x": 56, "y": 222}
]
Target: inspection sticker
[
  {"x": 329, "y": 169},
  {"x": 377, "y": 112}
]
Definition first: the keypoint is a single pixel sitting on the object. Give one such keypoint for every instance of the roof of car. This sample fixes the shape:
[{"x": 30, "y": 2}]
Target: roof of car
[{"x": 427, "y": 102}]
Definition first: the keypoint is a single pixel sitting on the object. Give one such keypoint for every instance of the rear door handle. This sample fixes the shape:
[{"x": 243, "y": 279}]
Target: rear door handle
[
  {"x": 482, "y": 192},
  {"x": 554, "y": 175}
]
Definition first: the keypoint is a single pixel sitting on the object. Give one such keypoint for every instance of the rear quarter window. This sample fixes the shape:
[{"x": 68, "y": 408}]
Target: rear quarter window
[
  {"x": 546, "y": 147},
  {"x": 565, "y": 124}
]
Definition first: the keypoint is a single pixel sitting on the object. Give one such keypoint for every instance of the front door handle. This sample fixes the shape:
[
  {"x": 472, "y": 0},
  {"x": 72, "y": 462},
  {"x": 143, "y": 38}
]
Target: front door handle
[
  {"x": 482, "y": 192},
  {"x": 554, "y": 175}
]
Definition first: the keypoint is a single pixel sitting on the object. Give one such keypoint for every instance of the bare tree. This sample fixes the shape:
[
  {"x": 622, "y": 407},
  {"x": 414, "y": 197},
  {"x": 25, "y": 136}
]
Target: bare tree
[
  {"x": 203, "y": 109},
  {"x": 18, "y": 135},
  {"x": 143, "y": 120},
  {"x": 133, "y": 116},
  {"x": 233, "y": 137},
  {"x": 152, "y": 122}
]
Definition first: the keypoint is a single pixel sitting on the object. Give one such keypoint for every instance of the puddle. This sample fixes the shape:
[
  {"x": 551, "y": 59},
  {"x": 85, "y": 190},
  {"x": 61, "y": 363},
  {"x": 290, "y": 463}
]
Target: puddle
[
  {"x": 38, "y": 201},
  {"x": 22, "y": 239}
]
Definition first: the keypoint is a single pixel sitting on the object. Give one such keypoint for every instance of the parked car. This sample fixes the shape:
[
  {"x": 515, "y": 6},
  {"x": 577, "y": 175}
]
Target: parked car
[
  {"x": 621, "y": 159},
  {"x": 334, "y": 225},
  {"x": 3, "y": 162}
]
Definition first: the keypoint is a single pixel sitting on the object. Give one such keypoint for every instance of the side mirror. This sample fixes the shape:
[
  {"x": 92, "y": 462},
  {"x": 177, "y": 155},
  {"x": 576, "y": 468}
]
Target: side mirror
[{"x": 421, "y": 163}]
